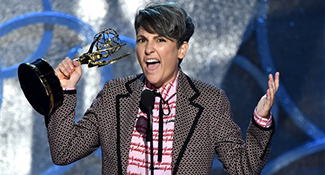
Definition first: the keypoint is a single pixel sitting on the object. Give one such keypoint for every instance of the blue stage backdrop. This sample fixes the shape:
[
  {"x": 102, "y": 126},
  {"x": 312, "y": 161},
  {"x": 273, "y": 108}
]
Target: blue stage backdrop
[{"x": 237, "y": 43}]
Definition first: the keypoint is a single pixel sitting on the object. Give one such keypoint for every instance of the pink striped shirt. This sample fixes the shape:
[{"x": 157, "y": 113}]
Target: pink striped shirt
[{"x": 139, "y": 155}]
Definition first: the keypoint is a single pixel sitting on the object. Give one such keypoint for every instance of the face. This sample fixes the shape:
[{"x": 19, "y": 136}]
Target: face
[{"x": 158, "y": 57}]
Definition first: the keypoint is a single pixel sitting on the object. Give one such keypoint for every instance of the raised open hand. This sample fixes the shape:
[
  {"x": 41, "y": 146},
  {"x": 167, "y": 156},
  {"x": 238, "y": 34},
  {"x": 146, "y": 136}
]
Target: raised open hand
[{"x": 265, "y": 104}]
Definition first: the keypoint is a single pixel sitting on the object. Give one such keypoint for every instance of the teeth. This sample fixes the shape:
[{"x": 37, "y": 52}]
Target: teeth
[{"x": 152, "y": 61}]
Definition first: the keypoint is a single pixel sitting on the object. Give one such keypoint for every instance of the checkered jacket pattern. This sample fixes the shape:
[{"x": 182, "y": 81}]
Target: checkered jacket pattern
[{"x": 203, "y": 127}]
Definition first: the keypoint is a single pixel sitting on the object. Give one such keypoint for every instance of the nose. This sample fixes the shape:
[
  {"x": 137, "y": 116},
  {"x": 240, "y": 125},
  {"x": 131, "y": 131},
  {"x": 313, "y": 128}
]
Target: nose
[{"x": 149, "y": 48}]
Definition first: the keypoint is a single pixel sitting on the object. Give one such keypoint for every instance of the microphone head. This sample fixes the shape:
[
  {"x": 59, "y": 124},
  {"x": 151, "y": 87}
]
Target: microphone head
[{"x": 147, "y": 100}]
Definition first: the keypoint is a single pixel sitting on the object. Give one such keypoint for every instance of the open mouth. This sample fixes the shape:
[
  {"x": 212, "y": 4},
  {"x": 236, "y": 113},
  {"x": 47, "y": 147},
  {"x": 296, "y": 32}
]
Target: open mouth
[{"x": 152, "y": 64}]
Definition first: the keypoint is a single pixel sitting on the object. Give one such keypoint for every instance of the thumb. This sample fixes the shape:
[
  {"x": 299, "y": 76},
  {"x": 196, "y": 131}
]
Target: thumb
[
  {"x": 77, "y": 67},
  {"x": 76, "y": 63}
]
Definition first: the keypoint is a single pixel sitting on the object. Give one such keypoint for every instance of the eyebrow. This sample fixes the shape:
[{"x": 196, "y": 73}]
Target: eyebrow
[{"x": 155, "y": 37}]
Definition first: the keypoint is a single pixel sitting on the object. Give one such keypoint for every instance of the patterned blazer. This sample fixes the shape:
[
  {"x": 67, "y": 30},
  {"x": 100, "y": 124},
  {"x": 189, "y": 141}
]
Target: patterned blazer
[{"x": 203, "y": 127}]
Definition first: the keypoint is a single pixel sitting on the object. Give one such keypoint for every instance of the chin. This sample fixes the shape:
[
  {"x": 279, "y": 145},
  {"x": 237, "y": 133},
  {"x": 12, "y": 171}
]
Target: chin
[{"x": 153, "y": 80}]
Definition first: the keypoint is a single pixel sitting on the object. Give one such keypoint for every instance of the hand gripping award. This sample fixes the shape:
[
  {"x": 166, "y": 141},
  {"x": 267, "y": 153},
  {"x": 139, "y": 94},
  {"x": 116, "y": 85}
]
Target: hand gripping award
[{"x": 41, "y": 86}]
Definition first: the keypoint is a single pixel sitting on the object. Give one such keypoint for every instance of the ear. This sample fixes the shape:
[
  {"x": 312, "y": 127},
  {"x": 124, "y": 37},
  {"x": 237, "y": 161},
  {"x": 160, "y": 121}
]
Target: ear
[{"x": 182, "y": 50}]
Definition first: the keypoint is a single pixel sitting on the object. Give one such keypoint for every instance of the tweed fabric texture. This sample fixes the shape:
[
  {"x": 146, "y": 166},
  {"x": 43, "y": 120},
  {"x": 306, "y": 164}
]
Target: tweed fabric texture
[{"x": 203, "y": 127}]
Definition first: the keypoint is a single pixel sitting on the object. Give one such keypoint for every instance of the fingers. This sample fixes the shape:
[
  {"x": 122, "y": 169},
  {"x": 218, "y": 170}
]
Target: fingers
[
  {"x": 277, "y": 80},
  {"x": 273, "y": 87},
  {"x": 65, "y": 68},
  {"x": 69, "y": 72}
]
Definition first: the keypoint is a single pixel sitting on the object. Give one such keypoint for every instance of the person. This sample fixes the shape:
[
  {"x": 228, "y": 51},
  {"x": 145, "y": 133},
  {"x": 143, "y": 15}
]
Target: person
[{"x": 191, "y": 119}]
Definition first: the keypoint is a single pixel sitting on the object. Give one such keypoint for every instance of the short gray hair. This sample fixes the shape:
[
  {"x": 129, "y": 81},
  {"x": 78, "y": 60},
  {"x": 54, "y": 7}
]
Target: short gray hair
[{"x": 168, "y": 19}]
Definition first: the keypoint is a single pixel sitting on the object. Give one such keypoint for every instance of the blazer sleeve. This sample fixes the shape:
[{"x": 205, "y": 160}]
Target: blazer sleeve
[
  {"x": 70, "y": 141},
  {"x": 239, "y": 156}
]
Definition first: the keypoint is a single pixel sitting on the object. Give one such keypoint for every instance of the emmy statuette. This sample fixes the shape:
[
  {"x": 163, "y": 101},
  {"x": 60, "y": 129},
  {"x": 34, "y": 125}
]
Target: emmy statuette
[{"x": 42, "y": 87}]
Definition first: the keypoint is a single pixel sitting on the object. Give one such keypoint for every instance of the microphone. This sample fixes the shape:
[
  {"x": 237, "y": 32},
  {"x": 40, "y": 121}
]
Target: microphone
[{"x": 147, "y": 102}]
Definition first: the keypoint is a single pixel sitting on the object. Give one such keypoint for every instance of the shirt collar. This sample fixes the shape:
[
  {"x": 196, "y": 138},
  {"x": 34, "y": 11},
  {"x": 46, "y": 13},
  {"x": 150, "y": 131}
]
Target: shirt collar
[{"x": 166, "y": 91}]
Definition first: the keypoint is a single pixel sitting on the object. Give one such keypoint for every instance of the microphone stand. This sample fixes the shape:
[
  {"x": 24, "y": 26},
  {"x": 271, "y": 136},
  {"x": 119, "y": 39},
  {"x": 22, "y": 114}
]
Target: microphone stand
[
  {"x": 150, "y": 138},
  {"x": 148, "y": 102}
]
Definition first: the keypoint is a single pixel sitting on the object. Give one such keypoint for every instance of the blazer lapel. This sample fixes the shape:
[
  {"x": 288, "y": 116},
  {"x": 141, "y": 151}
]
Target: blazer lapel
[
  {"x": 187, "y": 115},
  {"x": 127, "y": 105}
]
